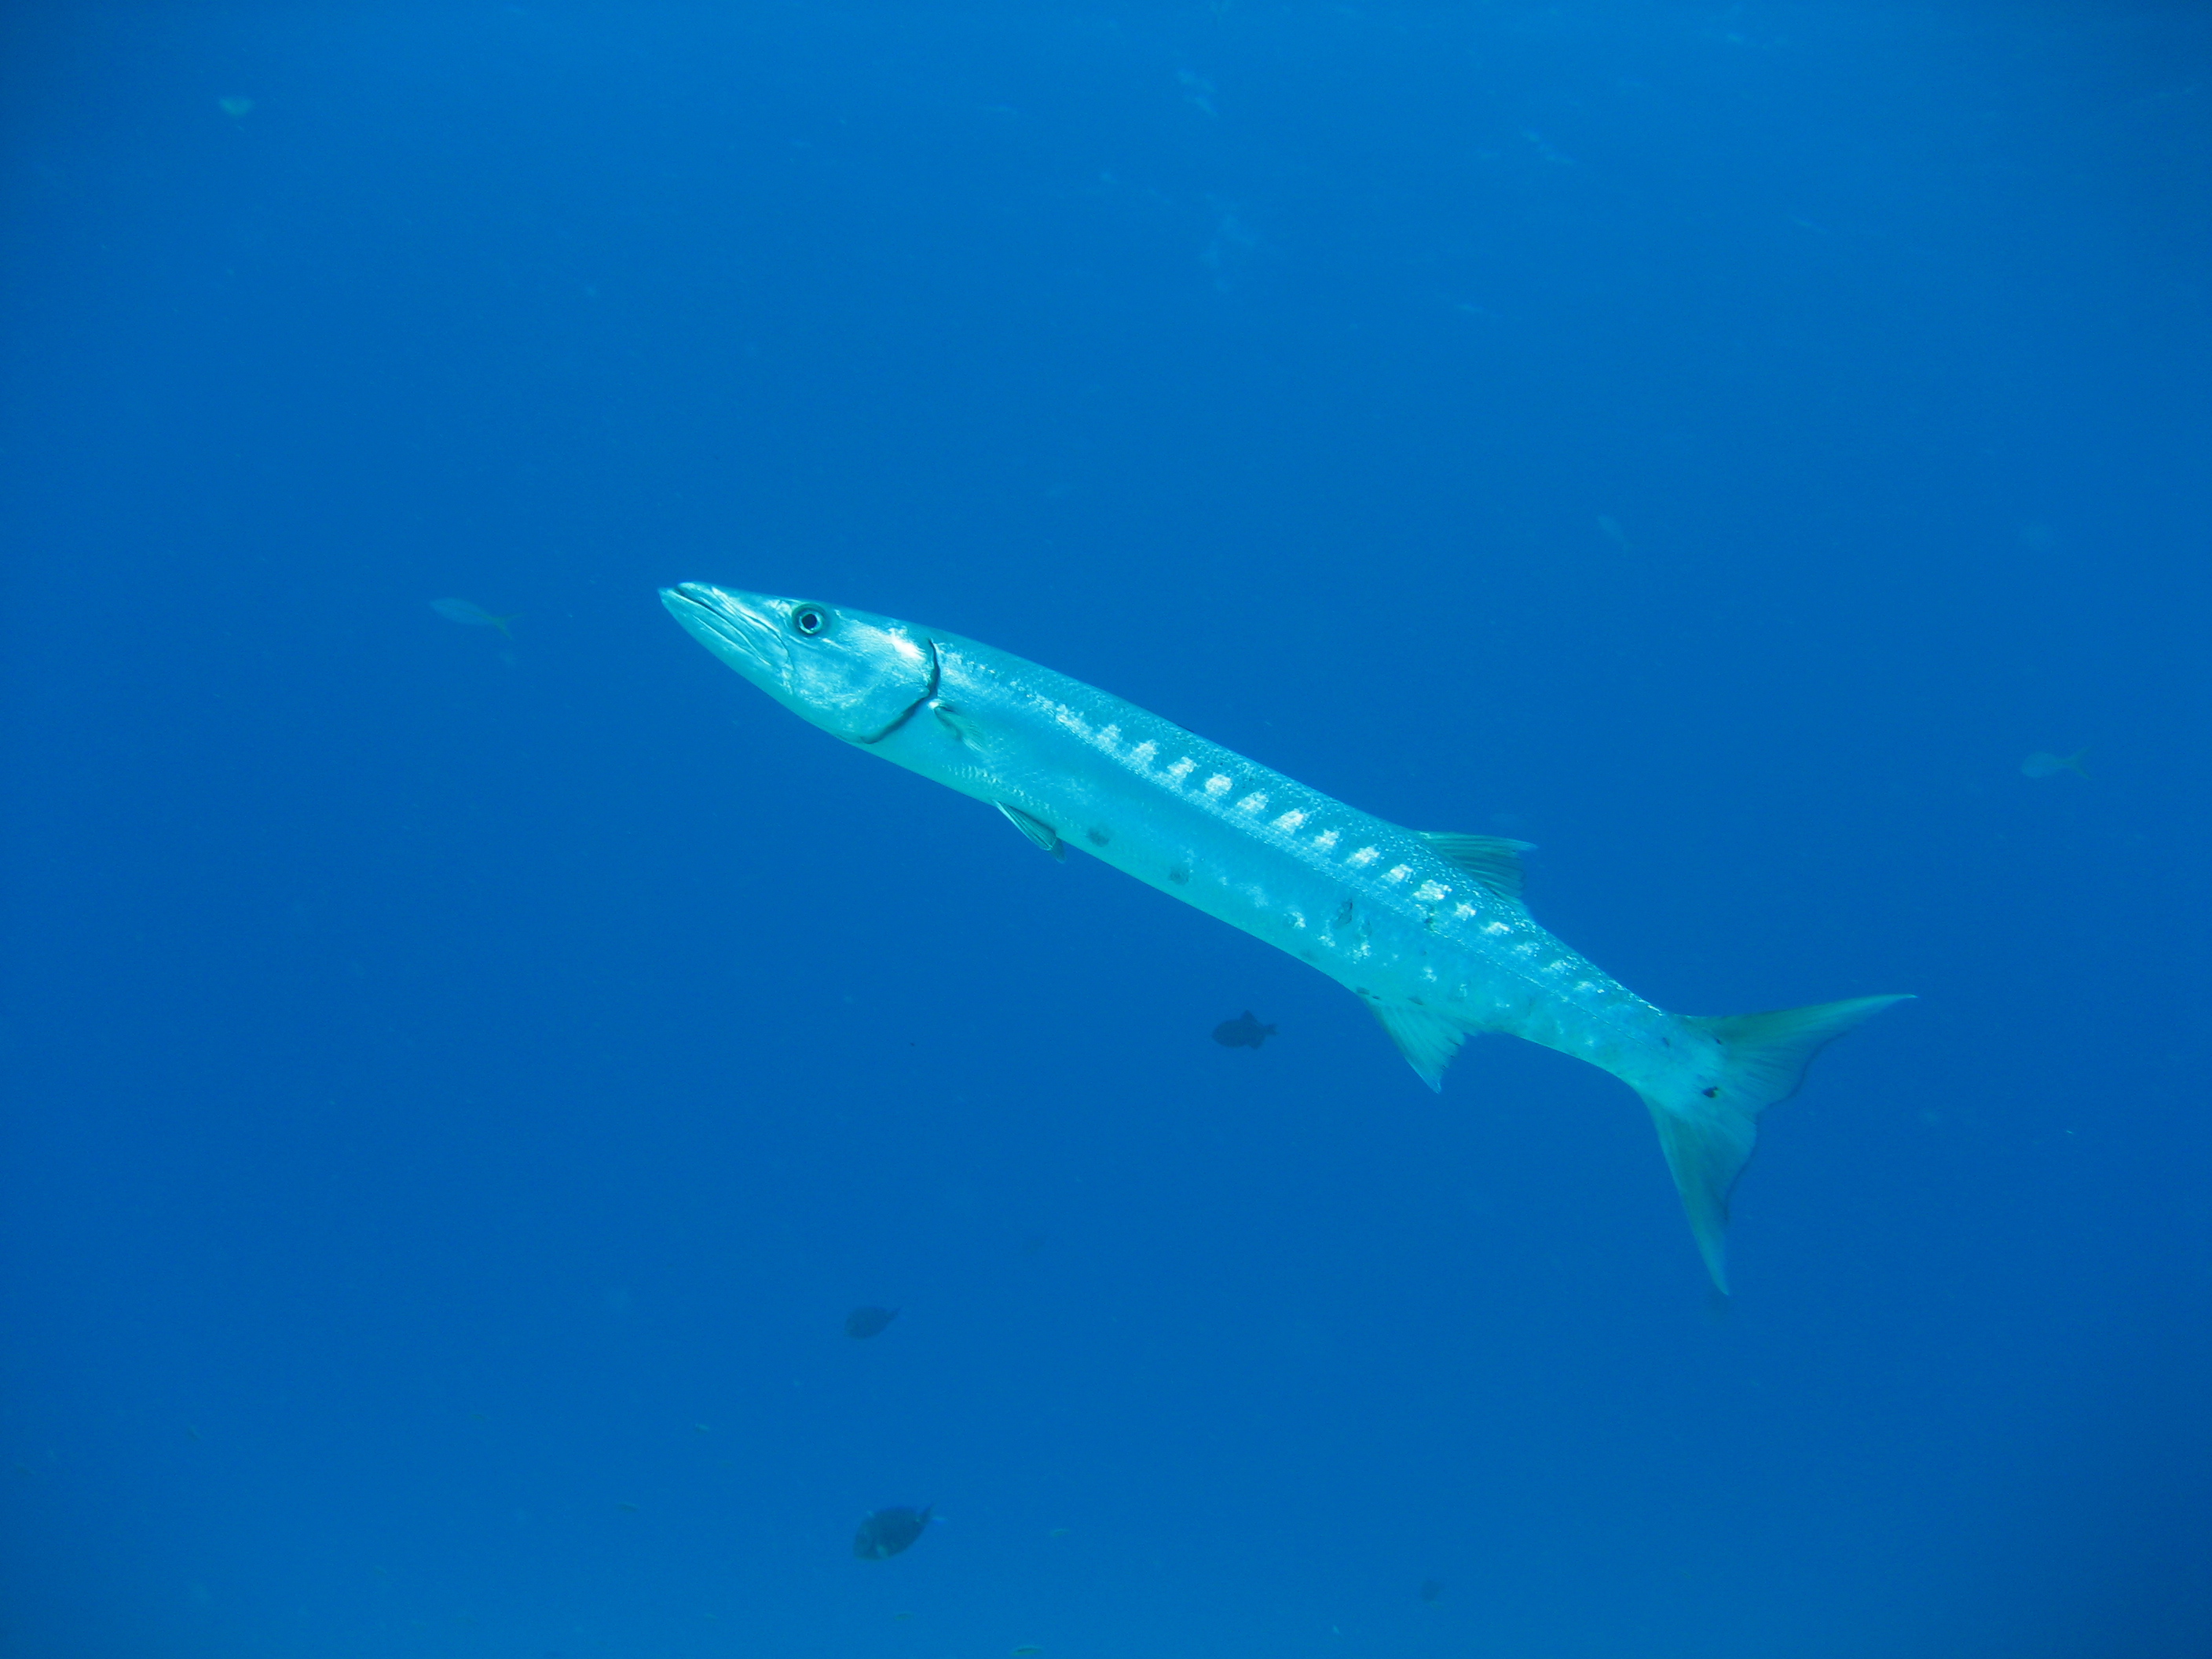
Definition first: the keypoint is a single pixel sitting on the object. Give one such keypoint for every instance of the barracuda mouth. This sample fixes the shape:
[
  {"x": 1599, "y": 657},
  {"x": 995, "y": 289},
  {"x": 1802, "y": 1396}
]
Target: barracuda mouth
[{"x": 747, "y": 641}]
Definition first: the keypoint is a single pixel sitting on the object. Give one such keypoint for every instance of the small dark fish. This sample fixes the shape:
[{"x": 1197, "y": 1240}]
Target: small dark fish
[
  {"x": 868, "y": 1321},
  {"x": 1244, "y": 1033},
  {"x": 1431, "y": 1589},
  {"x": 886, "y": 1531}
]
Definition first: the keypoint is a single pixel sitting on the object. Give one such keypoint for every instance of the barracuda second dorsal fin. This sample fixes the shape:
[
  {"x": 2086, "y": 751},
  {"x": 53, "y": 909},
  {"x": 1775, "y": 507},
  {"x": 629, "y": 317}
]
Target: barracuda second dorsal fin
[
  {"x": 1493, "y": 860},
  {"x": 1036, "y": 829}
]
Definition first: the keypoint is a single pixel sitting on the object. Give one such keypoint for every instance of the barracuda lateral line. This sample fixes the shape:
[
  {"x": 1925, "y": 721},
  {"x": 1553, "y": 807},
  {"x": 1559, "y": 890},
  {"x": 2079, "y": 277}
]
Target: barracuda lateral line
[{"x": 1427, "y": 928}]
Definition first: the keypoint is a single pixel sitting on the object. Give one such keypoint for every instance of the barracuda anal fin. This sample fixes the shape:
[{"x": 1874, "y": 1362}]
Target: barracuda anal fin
[{"x": 1427, "y": 1040}]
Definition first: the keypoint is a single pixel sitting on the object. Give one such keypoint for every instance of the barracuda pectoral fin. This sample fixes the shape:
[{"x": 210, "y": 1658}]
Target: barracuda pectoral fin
[
  {"x": 1493, "y": 860},
  {"x": 1427, "y": 1039},
  {"x": 1036, "y": 829},
  {"x": 1709, "y": 1123},
  {"x": 963, "y": 729}
]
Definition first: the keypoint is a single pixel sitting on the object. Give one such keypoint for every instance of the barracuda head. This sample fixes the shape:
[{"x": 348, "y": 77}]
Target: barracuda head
[{"x": 850, "y": 672}]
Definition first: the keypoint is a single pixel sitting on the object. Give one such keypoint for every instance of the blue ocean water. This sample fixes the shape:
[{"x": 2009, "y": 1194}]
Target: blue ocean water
[{"x": 460, "y": 1081}]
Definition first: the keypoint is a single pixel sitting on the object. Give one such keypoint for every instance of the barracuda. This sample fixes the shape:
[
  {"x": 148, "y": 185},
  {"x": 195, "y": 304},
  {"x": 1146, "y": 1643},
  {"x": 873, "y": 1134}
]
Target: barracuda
[{"x": 1427, "y": 928}]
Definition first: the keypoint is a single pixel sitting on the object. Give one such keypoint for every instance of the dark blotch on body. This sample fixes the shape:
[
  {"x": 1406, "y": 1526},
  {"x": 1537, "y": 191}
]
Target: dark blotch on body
[
  {"x": 1096, "y": 836},
  {"x": 1179, "y": 874}
]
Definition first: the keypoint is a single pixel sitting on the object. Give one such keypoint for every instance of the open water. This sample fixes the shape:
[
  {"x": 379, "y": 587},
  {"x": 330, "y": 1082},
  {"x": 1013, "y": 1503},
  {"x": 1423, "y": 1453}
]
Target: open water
[{"x": 460, "y": 1079}]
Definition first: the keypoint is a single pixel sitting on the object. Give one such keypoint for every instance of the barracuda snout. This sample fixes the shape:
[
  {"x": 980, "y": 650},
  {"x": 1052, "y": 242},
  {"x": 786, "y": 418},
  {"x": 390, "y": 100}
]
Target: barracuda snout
[{"x": 848, "y": 672}]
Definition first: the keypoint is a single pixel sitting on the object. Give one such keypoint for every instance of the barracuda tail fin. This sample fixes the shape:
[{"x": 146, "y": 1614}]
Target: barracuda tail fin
[{"x": 1708, "y": 1128}]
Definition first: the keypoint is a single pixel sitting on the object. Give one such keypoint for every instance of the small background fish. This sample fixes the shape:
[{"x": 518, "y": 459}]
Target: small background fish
[
  {"x": 863, "y": 1323},
  {"x": 1243, "y": 1032},
  {"x": 472, "y": 615},
  {"x": 2042, "y": 765},
  {"x": 885, "y": 1532}
]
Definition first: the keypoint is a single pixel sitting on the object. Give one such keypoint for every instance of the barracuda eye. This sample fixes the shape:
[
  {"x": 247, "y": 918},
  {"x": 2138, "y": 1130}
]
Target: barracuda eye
[{"x": 810, "y": 620}]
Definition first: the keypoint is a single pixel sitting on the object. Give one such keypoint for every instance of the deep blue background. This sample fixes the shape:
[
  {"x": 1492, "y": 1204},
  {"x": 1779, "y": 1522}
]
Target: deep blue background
[{"x": 457, "y": 1088}]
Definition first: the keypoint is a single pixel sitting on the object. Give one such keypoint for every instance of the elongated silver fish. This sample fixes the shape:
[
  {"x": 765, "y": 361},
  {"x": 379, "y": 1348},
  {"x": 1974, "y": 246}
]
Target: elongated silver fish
[{"x": 1428, "y": 929}]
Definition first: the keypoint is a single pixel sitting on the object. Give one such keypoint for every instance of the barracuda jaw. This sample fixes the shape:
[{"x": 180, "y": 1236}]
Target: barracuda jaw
[{"x": 746, "y": 639}]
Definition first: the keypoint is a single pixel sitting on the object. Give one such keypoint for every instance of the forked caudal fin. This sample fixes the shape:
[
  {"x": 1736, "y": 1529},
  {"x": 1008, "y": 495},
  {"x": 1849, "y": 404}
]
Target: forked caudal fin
[{"x": 1707, "y": 1131}]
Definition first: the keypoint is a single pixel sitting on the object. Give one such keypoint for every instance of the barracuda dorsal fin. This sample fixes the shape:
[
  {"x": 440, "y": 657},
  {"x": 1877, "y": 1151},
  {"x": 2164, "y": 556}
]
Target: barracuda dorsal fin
[
  {"x": 1493, "y": 860},
  {"x": 1036, "y": 829},
  {"x": 1427, "y": 1040}
]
